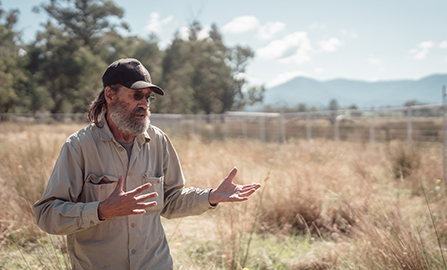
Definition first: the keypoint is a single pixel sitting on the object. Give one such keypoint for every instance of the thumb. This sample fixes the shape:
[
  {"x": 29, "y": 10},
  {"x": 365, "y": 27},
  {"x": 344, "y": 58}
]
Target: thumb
[
  {"x": 119, "y": 186},
  {"x": 231, "y": 175}
]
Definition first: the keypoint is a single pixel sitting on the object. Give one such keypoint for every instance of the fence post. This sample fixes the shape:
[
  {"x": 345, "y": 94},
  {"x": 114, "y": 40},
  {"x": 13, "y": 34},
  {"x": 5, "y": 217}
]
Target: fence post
[
  {"x": 373, "y": 129},
  {"x": 336, "y": 129},
  {"x": 444, "y": 135},
  {"x": 262, "y": 128},
  {"x": 282, "y": 127},
  {"x": 181, "y": 124},
  {"x": 308, "y": 126},
  {"x": 225, "y": 125},
  {"x": 192, "y": 125},
  {"x": 409, "y": 128},
  {"x": 198, "y": 125},
  {"x": 213, "y": 128},
  {"x": 244, "y": 127}
]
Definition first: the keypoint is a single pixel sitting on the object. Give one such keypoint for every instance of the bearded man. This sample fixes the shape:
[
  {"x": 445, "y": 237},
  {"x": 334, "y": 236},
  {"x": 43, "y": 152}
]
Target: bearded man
[{"x": 114, "y": 179}]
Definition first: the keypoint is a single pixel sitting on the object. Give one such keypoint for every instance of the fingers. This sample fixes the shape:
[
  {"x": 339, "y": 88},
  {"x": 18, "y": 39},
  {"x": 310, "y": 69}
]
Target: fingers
[
  {"x": 139, "y": 189},
  {"x": 145, "y": 197},
  {"x": 145, "y": 205},
  {"x": 237, "y": 198},
  {"x": 247, "y": 193},
  {"x": 248, "y": 187},
  {"x": 141, "y": 208}
]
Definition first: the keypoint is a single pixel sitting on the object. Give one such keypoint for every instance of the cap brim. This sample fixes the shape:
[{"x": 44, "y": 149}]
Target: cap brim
[{"x": 142, "y": 84}]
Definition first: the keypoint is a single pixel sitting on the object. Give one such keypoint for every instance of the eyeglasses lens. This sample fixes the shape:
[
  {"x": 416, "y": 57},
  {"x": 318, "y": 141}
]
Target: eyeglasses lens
[{"x": 138, "y": 95}]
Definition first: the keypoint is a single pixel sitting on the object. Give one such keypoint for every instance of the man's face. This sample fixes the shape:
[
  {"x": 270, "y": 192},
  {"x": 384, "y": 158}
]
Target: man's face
[{"x": 129, "y": 110}]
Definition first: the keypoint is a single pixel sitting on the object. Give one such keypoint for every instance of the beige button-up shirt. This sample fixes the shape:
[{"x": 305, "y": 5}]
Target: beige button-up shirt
[{"x": 86, "y": 172}]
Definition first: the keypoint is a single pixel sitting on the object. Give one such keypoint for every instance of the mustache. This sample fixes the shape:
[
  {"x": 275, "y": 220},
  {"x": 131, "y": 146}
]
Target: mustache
[{"x": 140, "y": 111}]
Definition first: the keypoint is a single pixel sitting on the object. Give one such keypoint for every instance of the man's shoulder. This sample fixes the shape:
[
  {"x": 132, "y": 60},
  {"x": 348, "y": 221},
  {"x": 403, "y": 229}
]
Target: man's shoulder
[
  {"x": 87, "y": 133},
  {"x": 156, "y": 132}
]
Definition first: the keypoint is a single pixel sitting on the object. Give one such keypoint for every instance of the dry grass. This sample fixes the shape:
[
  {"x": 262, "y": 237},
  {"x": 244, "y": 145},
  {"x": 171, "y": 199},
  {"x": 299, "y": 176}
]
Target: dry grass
[{"x": 323, "y": 205}]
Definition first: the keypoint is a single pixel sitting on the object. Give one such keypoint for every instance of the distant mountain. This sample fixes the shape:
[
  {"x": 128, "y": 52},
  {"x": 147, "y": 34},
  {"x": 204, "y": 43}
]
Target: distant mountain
[{"x": 361, "y": 93}]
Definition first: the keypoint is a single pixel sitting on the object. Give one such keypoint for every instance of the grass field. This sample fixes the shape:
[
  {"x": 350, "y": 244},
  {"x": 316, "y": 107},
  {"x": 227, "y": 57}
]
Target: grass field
[{"x": 323, "y": 205}]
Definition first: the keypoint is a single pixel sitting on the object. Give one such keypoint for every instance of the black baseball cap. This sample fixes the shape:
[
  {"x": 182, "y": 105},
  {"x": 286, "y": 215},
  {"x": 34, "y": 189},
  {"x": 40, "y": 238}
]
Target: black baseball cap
[{"x": 130, "y": 73}]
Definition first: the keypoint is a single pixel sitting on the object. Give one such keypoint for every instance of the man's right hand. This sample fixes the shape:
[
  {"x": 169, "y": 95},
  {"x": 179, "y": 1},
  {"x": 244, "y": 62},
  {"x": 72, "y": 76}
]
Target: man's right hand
[{"x": 121, "y": 203}]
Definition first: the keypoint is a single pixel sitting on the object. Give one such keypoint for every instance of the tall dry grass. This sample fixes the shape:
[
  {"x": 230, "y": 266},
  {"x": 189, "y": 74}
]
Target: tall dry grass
[{"x": 322, "y": 205}]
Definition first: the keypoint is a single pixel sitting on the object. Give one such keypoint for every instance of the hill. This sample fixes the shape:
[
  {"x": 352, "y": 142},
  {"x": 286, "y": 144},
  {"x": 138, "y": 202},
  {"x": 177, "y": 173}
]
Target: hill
[{"x": 361, "y": 93}]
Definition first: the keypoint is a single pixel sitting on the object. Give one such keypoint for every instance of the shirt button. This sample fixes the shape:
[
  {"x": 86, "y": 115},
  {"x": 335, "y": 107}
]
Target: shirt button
[
  {"x": 91, "y": 222},
  {"x": 160, "y": 238},
  {"x": 132, "y": 225},
  {"x": 134, "y": 251}
]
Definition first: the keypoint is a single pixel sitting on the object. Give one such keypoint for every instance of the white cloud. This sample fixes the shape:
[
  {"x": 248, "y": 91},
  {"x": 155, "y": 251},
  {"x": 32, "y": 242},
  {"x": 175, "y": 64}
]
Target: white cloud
[
  {"x": 204, "y": 33},
  {"x": 374, "y": 60},
  {"x": 319, "y": 70},
  {"x": 422, "y": 49},
  {"x": 269, "y": 29},
  {"x": 285, "y": 77},
  {"x": 240, "y": 76},
  {"x": 295, "y": 48},
  {"x": 164, "y": 44},
  {"x": 183, "y": 33},
  {"x": 155, "y": 24},
  {"x": 330, "y": 45},
  {"x": 443, "y": 44},
  {"x": 426, "y": 44},
  {"x": 245, "y": 24},
  {"x": 241, "y": 25}
]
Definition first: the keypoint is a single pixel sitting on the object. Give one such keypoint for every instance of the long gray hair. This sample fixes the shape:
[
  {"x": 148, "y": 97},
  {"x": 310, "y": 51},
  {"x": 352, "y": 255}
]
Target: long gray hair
[{"x": 98, "y": 107}]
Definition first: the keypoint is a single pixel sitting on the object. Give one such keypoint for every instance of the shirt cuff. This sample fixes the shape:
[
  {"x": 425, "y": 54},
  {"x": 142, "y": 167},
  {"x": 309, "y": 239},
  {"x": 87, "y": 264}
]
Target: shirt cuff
[
  {"x": 207, "y": 192},
  {"x": 90, "y": 214}
]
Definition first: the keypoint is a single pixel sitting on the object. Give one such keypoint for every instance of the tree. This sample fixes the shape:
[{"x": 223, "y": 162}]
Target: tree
[
  {"x": 239, "y": 95},
  {"x": 354, "y": 111},
  {"x": 333, "y": 106},
  {"x": 85, "y": 19},
  {"x": 177, "y": 75},
  {"x": 195, "y": 72},
  {"x": 204, "y": 76},
  {"x": 66, "y": 58},
  {"x": 13, "y": 78},
  {"x": 69, "y": 71}
]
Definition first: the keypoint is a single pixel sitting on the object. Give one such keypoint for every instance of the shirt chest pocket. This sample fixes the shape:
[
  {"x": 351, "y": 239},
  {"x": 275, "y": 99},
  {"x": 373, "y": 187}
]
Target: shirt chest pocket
[
  {"x": 98, "y": 188},
  {"x": 157, "y": 186}
]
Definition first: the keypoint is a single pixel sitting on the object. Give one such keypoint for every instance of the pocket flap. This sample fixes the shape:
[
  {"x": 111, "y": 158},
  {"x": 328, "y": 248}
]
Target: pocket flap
[
  {"x": 153, "y": 179},
  {"x": 103, "y": 179}
]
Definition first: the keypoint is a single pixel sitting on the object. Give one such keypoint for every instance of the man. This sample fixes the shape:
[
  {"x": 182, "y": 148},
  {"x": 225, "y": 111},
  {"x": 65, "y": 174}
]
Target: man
[{"x": 114, "y": 179}]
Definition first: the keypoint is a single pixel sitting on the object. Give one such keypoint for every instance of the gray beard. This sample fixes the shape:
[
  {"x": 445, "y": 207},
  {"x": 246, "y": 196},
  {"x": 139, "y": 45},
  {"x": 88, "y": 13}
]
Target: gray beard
[{"x": 126, "y": 122}]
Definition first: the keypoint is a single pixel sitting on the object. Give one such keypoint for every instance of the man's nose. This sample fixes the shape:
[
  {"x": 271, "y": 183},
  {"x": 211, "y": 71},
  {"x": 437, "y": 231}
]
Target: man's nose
[{"x": 144, "y": 103}]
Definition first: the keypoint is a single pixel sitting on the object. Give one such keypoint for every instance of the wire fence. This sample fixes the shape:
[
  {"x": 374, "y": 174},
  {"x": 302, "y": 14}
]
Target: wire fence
[
  {"x": 423, "y": 123},
  {"x": 413, "y": 124}
]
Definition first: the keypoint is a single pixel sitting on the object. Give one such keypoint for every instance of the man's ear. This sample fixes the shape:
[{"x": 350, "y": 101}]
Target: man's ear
[{"x": 109, "y": 94}]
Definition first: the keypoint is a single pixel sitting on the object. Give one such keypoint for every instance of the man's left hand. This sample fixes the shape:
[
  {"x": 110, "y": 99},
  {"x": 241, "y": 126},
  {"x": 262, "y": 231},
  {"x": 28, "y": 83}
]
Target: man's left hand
[{"x": 227, "y": 191}]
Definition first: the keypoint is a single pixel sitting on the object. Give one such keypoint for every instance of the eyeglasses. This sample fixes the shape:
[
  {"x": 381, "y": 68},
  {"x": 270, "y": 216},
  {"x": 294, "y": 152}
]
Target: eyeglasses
[{"x": 139, "y": 95}]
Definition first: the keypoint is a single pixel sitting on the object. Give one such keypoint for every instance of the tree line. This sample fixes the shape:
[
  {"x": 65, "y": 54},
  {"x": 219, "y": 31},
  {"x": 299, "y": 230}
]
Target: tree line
[{"x": 60, "y": 70}]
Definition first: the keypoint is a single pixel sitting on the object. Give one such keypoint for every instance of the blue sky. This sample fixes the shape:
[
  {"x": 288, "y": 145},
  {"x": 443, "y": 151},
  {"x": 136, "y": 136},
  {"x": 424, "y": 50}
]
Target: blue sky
[{"x": 351, "y": 39}]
